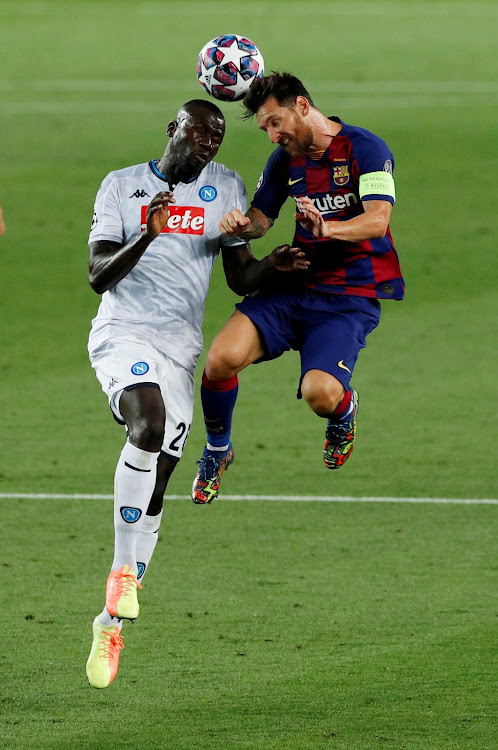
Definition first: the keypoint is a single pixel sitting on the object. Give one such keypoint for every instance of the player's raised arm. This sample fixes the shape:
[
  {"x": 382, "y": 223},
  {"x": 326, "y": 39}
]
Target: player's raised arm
[
  {"x": 250, "y": 226},
  {"x": 110, "y": 262}
]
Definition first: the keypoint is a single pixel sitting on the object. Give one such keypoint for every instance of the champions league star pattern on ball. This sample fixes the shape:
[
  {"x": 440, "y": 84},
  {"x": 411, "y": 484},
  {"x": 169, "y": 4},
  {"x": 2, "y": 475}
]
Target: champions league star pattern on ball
[{"x": 227, "y": 66}]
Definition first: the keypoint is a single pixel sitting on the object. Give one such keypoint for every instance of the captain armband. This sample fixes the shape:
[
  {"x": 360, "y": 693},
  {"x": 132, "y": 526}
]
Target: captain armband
[{"x": 377, "y": 183}]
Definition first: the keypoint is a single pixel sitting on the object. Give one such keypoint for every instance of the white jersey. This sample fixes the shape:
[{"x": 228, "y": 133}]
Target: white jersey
[{"x": 162, "y": 298}]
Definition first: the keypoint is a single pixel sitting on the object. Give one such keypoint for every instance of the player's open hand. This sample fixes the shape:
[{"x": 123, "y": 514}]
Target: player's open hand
[
  {"x": 158, "y": 212},
  {"x": 310, "y": 217},
  {"x": 287, "y": 258},
  {"x": 234, "y": 223}
]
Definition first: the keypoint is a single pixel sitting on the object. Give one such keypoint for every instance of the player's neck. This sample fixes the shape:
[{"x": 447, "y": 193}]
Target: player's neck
[
  {"x": 173, "y": 171},
  {"x": 324, "y": 131}
]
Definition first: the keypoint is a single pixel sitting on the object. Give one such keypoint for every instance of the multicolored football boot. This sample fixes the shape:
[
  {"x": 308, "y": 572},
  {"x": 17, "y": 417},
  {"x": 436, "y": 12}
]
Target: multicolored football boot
[
  {"x": 121, "y": 593},
  {"x": 207, "y": 481},
  {"x": 103, "y": 662},
  {"x": 339, "y": 437}
]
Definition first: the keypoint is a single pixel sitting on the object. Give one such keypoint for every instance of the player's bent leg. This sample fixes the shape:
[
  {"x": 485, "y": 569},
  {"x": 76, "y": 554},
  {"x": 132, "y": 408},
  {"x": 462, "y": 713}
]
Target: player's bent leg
[
  {"x": 237, "y": 345},
  {"x": 103, "y": 662},
  {"x": 326, "y": 396},
  {"x": 323, "y": 392}
]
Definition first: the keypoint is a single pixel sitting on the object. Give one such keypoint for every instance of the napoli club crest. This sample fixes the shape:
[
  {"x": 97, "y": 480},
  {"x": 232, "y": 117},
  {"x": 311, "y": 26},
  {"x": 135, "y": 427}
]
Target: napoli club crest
[{"x": 341, "y": 175}]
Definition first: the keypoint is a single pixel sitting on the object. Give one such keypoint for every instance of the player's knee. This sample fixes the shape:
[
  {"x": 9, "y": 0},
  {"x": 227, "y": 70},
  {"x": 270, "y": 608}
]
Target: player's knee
[
  {"x": 222, "y": 364},
  {"x": 322, "y": 394},
  {"x": 147, "y": 433}
]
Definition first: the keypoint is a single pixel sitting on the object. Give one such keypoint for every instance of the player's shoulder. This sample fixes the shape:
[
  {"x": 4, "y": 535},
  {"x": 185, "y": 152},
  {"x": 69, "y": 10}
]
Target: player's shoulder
[
  {"x": 126, "y": 172},
  {"x": 361, "y": 137},
  {"x": 217, "y": 169},
  {"x": 223, "y": 177},
  {"x": 279, "y": 158}
]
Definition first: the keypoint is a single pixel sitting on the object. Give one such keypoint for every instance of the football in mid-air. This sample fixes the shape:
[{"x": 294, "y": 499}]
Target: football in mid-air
[{"x": 227, "y": 66}]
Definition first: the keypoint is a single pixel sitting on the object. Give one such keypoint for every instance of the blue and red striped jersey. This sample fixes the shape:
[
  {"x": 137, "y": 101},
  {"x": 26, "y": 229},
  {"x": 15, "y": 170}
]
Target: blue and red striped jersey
[{"x": 369, "y": 268}]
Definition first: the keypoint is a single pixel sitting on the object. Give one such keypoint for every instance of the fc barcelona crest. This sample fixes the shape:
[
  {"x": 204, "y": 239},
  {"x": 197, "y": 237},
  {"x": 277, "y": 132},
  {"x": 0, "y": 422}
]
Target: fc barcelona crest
[{"x": 341, "y": 175}]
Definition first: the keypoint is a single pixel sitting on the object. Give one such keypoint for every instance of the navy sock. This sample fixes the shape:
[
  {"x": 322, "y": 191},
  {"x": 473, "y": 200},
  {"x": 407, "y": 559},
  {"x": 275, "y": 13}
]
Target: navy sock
[{"x": 218, "y": 402}]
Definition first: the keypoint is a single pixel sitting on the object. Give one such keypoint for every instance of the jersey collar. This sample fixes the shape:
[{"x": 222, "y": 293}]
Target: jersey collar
[{"x": 153, "y": 165}]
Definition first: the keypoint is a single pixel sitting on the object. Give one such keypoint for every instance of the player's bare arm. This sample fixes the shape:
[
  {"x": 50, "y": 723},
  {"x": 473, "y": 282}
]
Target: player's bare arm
[
  {"x": 246, "y": 274},
  {"x": 250, "y": 226},
  {"x": 369, "y": 225},
  {"x": 2, "y": 223},
  {"x": 110, "y": 262}
]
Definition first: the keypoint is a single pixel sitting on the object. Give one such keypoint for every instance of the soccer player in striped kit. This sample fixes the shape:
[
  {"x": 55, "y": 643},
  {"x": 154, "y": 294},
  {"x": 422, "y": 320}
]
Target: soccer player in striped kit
[
  {"x": 341, "y": 178},
  {"x": 153, "y": 242}
]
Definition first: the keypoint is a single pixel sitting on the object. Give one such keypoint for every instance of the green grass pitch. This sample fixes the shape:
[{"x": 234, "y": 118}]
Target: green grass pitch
[{"x": 287, "y": 626}]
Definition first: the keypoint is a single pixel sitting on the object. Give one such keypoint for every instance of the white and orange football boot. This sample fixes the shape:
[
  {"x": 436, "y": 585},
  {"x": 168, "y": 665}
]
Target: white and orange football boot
[
  {"x": 103, "y": 662},
  {"x": 121, "y": 593}
]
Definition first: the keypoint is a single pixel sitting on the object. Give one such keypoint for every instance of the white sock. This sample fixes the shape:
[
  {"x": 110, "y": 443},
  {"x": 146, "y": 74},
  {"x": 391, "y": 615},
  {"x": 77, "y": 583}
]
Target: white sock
[
  {"x": 146, "y": 542},
  {"x": 134, "y": 484},
  {"x": 107, "y": 620},
  {"x": 217, "y": 448}
]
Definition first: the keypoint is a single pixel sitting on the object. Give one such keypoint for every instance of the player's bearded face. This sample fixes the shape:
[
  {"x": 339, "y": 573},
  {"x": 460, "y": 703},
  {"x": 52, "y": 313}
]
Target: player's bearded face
[
  {"x": 285, "y": 126},
  {"x": 300, "y": 138}
]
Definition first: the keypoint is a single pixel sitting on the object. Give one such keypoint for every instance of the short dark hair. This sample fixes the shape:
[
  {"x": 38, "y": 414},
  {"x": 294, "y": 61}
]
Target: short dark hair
[
  {"x": 283, "y": 86},
  {"x": 203, "y": 104}
]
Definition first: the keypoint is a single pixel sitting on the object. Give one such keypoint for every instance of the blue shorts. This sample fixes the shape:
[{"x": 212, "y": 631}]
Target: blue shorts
[{"x": 328, "y": 330}]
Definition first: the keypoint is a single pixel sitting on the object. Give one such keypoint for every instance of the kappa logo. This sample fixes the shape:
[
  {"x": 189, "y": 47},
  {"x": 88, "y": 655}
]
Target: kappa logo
[
  {"x": 182, "y": 220},
  {"x": 112, "y": 383},
  {"x": 140, "y": 368},
  {"x": 208, "y": 193},
  {"x": 130, "y": 515},
  {"x": 139, "y": 194}
]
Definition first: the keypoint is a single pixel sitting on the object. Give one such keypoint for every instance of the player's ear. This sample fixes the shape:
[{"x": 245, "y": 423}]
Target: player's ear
[
  {"x": 302, "y": 105},
  {"x": 172, "y": 126}
]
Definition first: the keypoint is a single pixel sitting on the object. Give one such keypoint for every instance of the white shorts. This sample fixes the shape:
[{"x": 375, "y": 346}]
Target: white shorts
[{"x": 125, "y": 363}]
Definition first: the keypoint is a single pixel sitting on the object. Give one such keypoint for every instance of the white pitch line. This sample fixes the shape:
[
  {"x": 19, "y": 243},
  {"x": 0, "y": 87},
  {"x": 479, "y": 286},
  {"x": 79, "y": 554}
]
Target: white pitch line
[{"x": 279, "y": 498}]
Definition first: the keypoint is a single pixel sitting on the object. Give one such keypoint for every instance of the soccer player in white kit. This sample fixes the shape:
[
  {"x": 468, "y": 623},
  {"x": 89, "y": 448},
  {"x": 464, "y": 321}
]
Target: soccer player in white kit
[{"x": 153, "y": 243}]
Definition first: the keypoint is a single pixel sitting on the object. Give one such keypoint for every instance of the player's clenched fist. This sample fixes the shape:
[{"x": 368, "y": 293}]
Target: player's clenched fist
[
  {"x": 234, "y": 223},
  {"x": 158, "y": 213}
]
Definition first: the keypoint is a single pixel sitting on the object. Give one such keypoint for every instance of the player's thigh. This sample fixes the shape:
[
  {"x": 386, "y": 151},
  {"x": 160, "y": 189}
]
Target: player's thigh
[
  {"x": 142, "y": 408},
  {"x": 177, "y": 390},
  {"x": 236, "y": 346},
  {"x": 125, "y": 364},
  {"x": 333, "y": 339}
]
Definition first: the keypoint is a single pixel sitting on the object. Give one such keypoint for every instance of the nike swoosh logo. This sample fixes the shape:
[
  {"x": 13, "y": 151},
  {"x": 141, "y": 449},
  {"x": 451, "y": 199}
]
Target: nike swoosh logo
[
  {"x": 293, "y": 182},
  {"x": 343, "y": 366}
]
